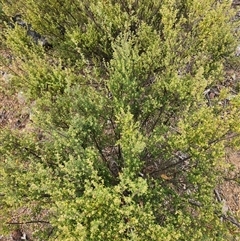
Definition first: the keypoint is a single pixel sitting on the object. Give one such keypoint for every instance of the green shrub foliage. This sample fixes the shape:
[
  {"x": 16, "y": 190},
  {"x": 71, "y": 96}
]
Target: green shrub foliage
[{"x": 123, "y": 143}]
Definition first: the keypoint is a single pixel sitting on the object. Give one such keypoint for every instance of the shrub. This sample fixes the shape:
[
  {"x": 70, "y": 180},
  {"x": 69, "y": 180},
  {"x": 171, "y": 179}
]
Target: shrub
[{"x": 130, "y": 147}]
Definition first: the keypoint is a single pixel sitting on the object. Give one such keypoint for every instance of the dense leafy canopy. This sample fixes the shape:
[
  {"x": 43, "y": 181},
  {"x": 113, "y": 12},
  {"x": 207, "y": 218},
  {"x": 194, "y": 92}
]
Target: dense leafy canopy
[{"x": 123, "y": 143}]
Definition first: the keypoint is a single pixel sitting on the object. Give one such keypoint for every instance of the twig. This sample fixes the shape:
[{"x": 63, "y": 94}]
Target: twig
[
  {"x": 99, "y": 148},
  {"x": 176, "y": 163},
  {"x": 195, "y": 203},
  {"x": 231, "y": 219},
  {"x": 28, "y": 222},
  {"x": 224, "y": 137},
  {"x": 225, "y": 216},
  {"x": 217, "y": 195}
]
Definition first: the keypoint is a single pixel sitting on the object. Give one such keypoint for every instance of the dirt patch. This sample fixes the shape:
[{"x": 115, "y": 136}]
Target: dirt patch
[{"x": 230, "y": 188}]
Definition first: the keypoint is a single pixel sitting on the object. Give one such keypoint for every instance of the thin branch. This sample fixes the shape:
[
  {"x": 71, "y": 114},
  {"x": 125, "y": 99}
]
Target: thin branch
[
  {"x": 32, "y": 152},
  {"x": 224, "y": 137},
  {"x": 195, "y": 203},
  {"x": 231, "y": 220},
  {"x": 92, "y": 17},
  {"x": 99, "y": 148},
  {"x": 217, "y": 195},
  {"x": 161, "y": 109},
  {"x": 176, "y": 163},
  {"x": 234, "y": 179},
  {"x": 119, "y": 153},
  {"x": 28, "y": 222},
  {"x": 145, "y": 120}
]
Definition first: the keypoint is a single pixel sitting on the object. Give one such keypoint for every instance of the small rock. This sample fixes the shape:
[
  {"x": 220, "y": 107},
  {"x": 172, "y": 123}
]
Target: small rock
[
  {"x": 238, "y": 51},
  {"x": 21, "y": 98},
  {"x": 6, "y": 77}
]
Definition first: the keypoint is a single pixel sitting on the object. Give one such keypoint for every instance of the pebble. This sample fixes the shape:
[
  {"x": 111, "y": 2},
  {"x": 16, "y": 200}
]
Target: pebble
[
  {"x": 238, "y": 51},
  {"x": 21, "y": 97},
  {"x": 6, "y": 77}
]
